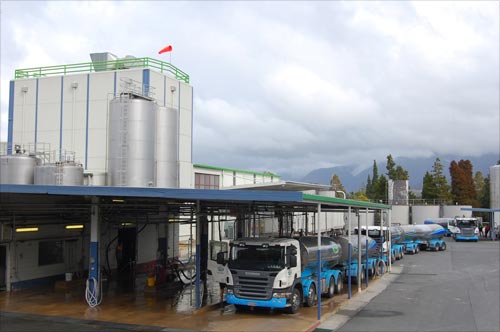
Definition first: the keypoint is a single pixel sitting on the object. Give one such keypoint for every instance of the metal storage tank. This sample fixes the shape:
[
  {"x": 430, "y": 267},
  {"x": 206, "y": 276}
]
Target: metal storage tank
[
  {"x": 166, "y": 148},
  {"x": 45, "y": 174},
  {"x": 422, "y": 212},
  {"x": 69, "y": 174},
  {"x": 17, "y": 168},
  {"x": 131, "y": 143},
  {"x": 400, "y": 214},
  {"x": 452, "y": 211}
]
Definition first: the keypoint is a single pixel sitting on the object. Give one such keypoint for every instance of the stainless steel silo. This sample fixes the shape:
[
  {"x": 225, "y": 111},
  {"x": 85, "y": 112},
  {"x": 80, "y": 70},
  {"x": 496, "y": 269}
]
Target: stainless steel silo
[
  {"x": 17, "y": 169},
  {"x": 69, "y": 174},
  {"x": 166, "y": 148},
  {"x": 45, "y": 174},
  {"x": 131, "y": 142}
]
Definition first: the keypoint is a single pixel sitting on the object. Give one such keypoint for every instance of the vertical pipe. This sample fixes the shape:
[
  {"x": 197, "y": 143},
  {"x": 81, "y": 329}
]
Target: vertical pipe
[
  {"x": 94, "y": 251},
  {"x": 198, "y": 249},
  {"x": 358, "y": 279},
  {"x": 366, "y": 247},
  {"x": 319, "y": 264},
  {"x": 389, "y": 233},
  {"x": 349, "y": 252}
]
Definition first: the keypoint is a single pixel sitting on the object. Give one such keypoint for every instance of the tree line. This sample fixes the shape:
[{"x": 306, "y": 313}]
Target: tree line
[{"x": 466, "y": 187}]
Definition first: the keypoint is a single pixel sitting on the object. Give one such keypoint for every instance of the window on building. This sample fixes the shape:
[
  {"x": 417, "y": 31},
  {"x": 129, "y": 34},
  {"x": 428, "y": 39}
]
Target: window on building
[
  {"x": 50, "y": 252},
  {"x": 206, "y": 181}
]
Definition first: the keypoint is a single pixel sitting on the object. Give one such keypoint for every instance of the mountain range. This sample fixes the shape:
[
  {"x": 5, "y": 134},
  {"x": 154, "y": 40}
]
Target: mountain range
[{"x": 416, "y": 167}]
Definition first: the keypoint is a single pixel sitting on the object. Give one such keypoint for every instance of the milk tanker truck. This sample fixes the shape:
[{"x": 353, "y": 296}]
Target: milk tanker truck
[
  {"x": 274, "y": 273},
  {"x": 282, "y": 272},
  {"x": 382, "y": 239},
  {"x": 425, "y": 236}
]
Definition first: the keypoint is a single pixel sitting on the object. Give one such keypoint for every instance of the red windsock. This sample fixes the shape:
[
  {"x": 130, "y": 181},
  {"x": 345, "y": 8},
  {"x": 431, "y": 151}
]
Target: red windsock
[{"x": 165, "y": 49}]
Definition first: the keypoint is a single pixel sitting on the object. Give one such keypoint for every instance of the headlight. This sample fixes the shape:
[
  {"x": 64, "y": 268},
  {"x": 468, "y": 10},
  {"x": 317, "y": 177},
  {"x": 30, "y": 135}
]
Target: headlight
[
  {"x": 230, "y": 291},
  {"x": 281, "y": 295}
]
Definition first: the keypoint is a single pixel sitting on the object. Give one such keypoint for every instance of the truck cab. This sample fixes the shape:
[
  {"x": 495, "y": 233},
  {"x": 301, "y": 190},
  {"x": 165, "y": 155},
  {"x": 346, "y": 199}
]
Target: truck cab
[
  {"x": 264, "y": 273},
  {"x": 467, "y": 229}
]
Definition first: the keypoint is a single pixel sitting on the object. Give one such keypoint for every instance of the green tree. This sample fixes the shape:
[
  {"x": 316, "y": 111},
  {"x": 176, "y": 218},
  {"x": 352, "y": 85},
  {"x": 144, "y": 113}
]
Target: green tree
[
  {"x": 479, "y": 182},
  {"x": 462, "y": 183},
  {"x": 396, "y": 172},
  {"x": 429, "y": 190},
  {"x": 439, "y": 188},
  {"x": 359, "y": 196},
  {"x": 336, "y": 184}
]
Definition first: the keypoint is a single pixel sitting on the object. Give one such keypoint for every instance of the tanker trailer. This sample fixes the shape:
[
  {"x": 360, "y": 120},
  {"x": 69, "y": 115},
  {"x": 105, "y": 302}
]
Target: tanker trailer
[
  {"x": 425, "y": 236},
  {"x": 368, "y": 264},
  {"x": 282, "y": 272},
  {"x": 382, "y": 237}
]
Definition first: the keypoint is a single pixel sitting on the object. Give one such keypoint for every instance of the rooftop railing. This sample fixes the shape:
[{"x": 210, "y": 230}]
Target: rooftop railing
[{"x": 88, "y": 67}]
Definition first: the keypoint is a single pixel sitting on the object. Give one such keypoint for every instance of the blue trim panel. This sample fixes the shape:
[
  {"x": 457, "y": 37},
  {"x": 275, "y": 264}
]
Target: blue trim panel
[
  {"x": 10, "y": 126},
  {"x": 36, "y": 111},
  {"x": 61, "y": 119},
  {"x": 87, "y": 122},
  {"x": 184, "y": 194},
  {"x": 467, "y": 238},
  {"x": 145, "y": 81},
  {"x": 114, "y": 85},
  {"x": 272, "y": 303}
]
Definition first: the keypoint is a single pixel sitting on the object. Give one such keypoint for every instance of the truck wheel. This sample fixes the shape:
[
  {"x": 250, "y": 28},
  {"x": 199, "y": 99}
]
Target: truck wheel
[
  {"x": 331, "y": 288},
  {"x": 380, "y": 268},
  {"x": 402, "y": 254},
  {"x": 372, "y": 271},
  {"x": 443, "y": 247},
  {"x": 417, "y": 249},
  {"x": 311, "y": 296},
  {"x": 339, "y": 285},
  {"x": 413, "y": 251},
  {"x": 295, "y": 301}
]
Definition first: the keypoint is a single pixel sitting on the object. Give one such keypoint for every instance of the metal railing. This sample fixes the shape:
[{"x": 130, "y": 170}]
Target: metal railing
[{"x": 87, "y": 67}]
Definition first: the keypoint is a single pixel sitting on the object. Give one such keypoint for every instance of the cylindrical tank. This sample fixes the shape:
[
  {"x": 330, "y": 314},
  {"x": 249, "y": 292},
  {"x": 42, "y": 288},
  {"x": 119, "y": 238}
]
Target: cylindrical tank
[
  {"x": 423, "y": 232},
  {"x": 343, "y": 241},
  {"x": 69, "y": 174},
  {"x": 45, "y": 174},
  {"x": 131, "y": 146},
  {"x": 422, "y": 212},
  {"x": 166, "y": 147},
  {"x": 397, "y": 234},
  {"x": 59, "y": 174},
  {"x": 17, "y": 169},
  {"x": 495, "y": 191},
  {"x": 331, "y": 252}
]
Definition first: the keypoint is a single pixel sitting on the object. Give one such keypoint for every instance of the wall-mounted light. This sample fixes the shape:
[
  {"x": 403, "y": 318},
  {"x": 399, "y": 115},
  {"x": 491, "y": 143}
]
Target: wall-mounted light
[
  {"x": 74, "y": 85},
  {"x": 24, "y": 89},
  {"x": 74, "y": 226},
  {"x": 26, "y": 229},
  {"x": 173, "y": 88},
  {"x": 128, "y": 224},
  {"x": 118, "y": 201}
]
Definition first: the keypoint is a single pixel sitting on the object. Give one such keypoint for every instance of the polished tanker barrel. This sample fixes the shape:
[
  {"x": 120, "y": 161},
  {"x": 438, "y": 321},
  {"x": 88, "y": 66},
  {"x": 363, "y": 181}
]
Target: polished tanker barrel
[
  {"x": 423, "y": 232},
  {"x": 343, "y": 241},
  {"x": 397, "y": 234},
  {"x": 331, "y": 252}
]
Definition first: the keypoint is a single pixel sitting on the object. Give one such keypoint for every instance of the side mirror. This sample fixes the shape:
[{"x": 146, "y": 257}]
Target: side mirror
[
  {"x": 293, "y": 261},
  {"x": 220, "y": 258}
]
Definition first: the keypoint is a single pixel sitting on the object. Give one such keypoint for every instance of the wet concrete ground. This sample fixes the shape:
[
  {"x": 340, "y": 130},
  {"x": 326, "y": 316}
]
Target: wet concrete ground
[{"x": 139, "y": 311}]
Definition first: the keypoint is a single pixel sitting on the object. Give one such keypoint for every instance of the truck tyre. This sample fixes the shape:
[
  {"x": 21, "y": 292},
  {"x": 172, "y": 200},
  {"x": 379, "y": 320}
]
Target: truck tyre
[
  {"x": 417, "y": 249},
  {"x": 413, "y": 251},
  {"x": 436, "y": 247},
  {"x": 339, "y": 285},
  {"x": 443, "y": 247},
  {"x": 331, "y": 288},
  {"x": 372, "y": 271},
  {"x": 311, "y": 296},
  {"x": 295, "y": 301},
  {"x": 402, "y": 254},
  {"x": 380, "y": 268}
]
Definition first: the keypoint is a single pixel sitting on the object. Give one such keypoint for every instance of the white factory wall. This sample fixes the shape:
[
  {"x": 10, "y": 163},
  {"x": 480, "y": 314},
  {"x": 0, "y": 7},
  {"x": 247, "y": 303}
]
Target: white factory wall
[
  {"x": 400, "y": 214},
  {"x": 420, "y": 213},
  {"x": 452, "y": 211}
]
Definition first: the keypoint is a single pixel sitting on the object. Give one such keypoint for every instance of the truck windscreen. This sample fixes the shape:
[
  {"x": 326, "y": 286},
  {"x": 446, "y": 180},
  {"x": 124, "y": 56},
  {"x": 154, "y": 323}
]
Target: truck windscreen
[{"x": 257, "y": 258}]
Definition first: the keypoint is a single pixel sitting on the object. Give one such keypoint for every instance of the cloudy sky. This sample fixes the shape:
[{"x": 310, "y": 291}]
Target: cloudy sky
[{"x": 289, "y": 87}]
